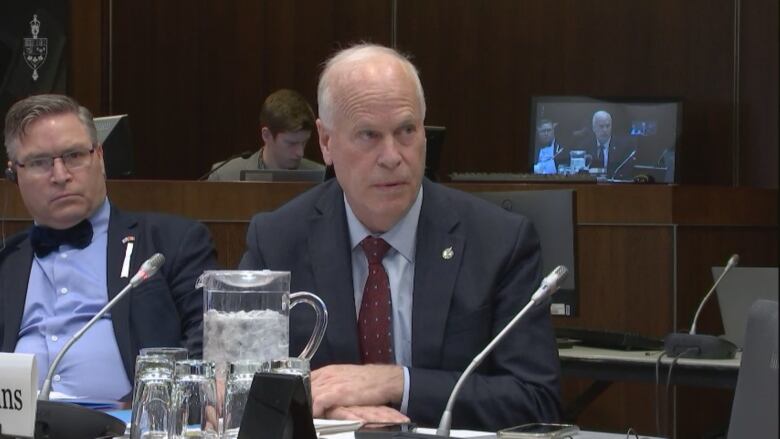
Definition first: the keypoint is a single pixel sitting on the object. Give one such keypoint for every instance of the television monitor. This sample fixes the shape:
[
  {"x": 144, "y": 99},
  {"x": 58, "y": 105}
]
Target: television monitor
[
  {"x": 114, "y": 134},
  {"x": 553, "y": 213},
  {"x": 313, "y": 175},
  {"x": 434, "y": 136},
  {"x": 642, "y": 137}
]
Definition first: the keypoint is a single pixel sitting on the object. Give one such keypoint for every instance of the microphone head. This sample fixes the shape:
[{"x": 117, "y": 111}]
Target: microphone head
[{"x": 153, "y": 264}]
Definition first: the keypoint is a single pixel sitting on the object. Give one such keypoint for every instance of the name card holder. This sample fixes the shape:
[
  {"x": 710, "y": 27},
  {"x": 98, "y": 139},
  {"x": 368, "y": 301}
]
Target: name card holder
[
  {"x": 277, "y": 408},
  {"x": 18, "y": 394}
]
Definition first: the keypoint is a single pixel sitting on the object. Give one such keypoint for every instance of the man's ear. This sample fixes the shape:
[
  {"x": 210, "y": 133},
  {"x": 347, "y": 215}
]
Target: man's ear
[
  {"x": 266, "y": 135},
  {"x": 323, "y": 133}
]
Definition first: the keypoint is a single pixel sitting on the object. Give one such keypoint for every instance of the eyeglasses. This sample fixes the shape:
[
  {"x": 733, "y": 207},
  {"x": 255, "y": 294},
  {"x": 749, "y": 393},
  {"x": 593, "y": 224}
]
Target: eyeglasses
[{"x": 72, "y": 160}]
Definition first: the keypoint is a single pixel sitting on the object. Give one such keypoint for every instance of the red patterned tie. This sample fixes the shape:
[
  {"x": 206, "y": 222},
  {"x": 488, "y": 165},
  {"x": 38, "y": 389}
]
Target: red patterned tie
[{"x": 375, "y": 321}]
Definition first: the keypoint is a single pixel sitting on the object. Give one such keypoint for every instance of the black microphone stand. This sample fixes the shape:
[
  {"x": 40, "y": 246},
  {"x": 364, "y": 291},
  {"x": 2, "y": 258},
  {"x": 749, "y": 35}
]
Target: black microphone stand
[{"x": 244, "y": 155}]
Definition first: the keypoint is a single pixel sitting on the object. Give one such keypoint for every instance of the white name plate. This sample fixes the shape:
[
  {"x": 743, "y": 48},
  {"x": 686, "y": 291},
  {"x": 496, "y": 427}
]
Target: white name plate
[{"x": 18, "y": 394}]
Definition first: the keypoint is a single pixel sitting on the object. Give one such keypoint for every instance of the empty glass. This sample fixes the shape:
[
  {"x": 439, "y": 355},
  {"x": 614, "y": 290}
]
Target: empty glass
[
  {"x": 146, "y": 366},
  {"x": 175, "y": 354},
  {"x": 237, "y": 385},
  {"x": 194, "y": 399},
  {"x": 152, "y": 401}
]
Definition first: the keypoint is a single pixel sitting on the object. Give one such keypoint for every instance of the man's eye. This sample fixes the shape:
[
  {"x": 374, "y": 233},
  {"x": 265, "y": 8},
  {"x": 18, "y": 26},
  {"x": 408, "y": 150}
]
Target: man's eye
[
  {"x": 74, "y": 155},
  {"x": 38, "y": 163}
]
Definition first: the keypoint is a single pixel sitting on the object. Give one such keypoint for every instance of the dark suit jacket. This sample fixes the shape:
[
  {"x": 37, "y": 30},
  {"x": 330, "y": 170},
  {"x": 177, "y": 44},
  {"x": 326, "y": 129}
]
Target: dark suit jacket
[
  {"x": 166, "y": 310},
  {"x": 620, "y": 148},
  {"x": 459, "y": 304}
]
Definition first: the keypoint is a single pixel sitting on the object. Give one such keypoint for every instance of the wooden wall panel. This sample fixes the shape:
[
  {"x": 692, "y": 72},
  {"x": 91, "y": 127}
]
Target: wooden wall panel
[
  {"x": 193, "y": 75},
  {"x": 481, "y": 63},
  {"x": 759, "y": 93}
]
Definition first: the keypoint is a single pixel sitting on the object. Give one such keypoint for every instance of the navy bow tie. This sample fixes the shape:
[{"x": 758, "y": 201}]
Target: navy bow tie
[{"x": 45, "y": 240}]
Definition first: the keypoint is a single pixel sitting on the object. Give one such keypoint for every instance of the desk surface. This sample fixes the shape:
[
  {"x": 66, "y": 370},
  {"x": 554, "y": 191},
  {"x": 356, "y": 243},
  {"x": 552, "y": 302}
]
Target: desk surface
[{"x": 614, "y": 365}]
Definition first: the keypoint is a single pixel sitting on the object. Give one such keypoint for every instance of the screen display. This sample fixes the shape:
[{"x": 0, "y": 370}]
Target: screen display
[{"x": 613, "y": 139}]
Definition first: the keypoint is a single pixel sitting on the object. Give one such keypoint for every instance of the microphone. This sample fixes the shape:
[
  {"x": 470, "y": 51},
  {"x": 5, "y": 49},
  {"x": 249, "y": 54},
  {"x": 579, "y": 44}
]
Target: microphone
[
  {"x": 623, "y": 163},
  {"x": 148, "y": 269},
  {"x": 692, "y": 345},
  {"x": 555, "y": 156},
  {"x": 548, "y": 286},
  {"x": 244, "y": 155}
]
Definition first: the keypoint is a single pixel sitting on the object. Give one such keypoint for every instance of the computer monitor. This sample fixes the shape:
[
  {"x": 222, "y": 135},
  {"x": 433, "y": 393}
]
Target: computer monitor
[
  {"x": 313, "y": 175},
  {"x": 642, "y": 146},
  {"x": 553, "y": 213},
  {"x": 434, "y": 136},
  {"x": 114, "y": 134}
]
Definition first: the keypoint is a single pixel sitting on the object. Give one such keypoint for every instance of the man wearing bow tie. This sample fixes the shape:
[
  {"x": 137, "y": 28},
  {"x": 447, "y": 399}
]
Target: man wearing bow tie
[
  {"x": 417, "y": 277},
  {"x": 82, "y": 251}
]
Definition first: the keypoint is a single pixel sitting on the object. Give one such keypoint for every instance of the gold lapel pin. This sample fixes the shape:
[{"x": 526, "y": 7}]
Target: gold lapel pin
[{"x": 447, "y": 253}]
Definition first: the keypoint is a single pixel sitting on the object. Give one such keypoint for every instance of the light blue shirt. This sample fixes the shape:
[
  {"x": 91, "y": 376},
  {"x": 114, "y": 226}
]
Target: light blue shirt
[
  {"x": 65, "y": 290},
  {"x": 399, "y": 264},
  {"x": 546, "y": 163}
]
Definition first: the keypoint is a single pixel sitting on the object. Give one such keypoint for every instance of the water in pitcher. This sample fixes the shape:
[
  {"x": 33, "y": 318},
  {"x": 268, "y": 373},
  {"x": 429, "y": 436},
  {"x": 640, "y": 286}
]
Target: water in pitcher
[{"x": 260, "y": 334}]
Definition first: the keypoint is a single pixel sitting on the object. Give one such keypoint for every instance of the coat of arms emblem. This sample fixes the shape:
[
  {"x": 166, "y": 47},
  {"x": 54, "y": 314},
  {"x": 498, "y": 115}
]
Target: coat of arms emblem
[{"x": 35, "y": 49}]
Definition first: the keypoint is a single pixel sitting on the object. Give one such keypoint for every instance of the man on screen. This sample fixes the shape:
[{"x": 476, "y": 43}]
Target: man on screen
[
  {"x": 286, "y": 123},
  {"x": 550, "y": 151},
  {"x": 81, "y": 251},
  {"x": 417, "y": 277},
  {"x": 608, "y": 152}
]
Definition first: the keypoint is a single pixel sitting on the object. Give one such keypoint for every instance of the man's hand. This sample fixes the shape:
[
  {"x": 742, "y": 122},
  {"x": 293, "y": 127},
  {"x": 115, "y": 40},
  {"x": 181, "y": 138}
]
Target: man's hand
[
  {"x": 344, "y": 385},
  {"x": 381, "y": 413}
]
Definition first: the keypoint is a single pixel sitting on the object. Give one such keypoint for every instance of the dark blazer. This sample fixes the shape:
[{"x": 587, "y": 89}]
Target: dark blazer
[
  {"x": 620, "y": 147},
  {"x": 459, "y": 303},
  {"x": 166, "y": 310}
]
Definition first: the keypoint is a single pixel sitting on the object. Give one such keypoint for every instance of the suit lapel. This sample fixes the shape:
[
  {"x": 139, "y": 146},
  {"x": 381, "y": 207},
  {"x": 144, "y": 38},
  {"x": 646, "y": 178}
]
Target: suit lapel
[
  {"x": 14, "y": 276},
  {"x": 120, "y": 226},
  {"x": 437, "y": 261},
  {"x": 331, "y": 260}
]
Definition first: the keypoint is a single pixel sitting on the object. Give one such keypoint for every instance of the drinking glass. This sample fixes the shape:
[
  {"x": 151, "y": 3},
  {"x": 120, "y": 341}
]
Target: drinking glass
[
  {"x": 238, "y": 383},
  {"x": 174, "y": 353},
  {"x": 194, "y": 400},
  {"x": 152, "y": 406},
  {"x": 146, "y": 366},
  {"x": 295, "y": 366}
]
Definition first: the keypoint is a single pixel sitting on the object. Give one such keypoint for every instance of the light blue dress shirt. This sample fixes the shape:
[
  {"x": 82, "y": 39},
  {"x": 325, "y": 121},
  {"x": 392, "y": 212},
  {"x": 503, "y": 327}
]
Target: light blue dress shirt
[
  {"x": 65, "y": 290},
  {"x": 399, "y": 264}
]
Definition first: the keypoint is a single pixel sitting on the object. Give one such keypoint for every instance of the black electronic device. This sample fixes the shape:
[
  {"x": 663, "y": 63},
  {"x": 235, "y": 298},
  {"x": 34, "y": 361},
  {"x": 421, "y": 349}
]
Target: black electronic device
[
  {"x": 625, "y": 341},
  {"x": 114, "y": 134},
  {"x": 434, "y": 140},
  {"x": 647, "y": 127},
  {"x": 539, "y": 431},
  {"x": 378, "y": 430},
  {"x": 62, "y": 420},
  {"x": 693, "y": 345}
]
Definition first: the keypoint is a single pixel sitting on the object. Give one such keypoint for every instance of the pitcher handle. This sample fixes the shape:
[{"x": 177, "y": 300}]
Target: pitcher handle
[{"x": 322, "y": 321}]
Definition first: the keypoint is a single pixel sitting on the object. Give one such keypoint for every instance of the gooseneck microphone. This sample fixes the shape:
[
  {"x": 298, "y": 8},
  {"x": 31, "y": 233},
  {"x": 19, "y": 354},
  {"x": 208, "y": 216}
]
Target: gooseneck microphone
[
  {"x": 623, "y": 163},
  {"x": 147, "y": 270},
  {"x": 733, "y": 261},
  {"x": 548, "y": 286},
  {"x": 693, "y": 345},
  {"x": 244, "y": 155}
]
